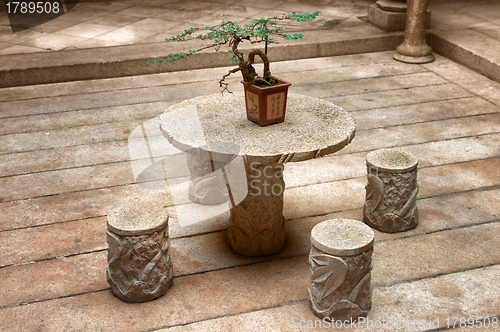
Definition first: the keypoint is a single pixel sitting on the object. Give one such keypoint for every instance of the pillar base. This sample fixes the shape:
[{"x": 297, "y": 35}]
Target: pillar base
[
  {"x": 387, "y": 20},
  {"x": 414, "y": 59}
]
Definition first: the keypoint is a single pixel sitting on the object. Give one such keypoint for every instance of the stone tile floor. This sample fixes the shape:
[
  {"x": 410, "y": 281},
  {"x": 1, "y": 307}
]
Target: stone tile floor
[
  {"x": 64, "y": 165},
  {"x": 107, "y": 23},
  {"x": 125, "y": 22}
]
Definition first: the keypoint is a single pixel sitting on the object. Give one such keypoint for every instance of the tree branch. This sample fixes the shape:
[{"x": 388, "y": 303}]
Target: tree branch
[{"x": 222, "y": 82}]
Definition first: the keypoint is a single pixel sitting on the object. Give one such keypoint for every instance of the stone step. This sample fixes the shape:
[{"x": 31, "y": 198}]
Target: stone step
[
  {"x": 118, "y": 61},
  {"x": 470, "y": 48}
]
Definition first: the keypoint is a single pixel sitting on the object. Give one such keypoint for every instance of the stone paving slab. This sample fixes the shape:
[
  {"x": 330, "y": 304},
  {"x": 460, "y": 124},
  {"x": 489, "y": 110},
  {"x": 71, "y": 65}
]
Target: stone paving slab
[
  {"x": 67, "y": 180},
  {"x": 437, "y": 214},
  {"x": 413, "y": 95},
  {"x": 367, "y": 86},
  {"x": 415, "y": 297},
  {"x": 73, "y": 136},
  {"x": 462, "y": 126},
  {"x": 50, "y": 241},
  {"x": 54, "y": 278},
  {"x": 71, "y": 206},
  {"x": 350, "y": 72},
  {"x": 391, "y": 315},
  {"x": 437, "y": 253},
  {"x": 424, "y": 132},
  {"x": 203, "y": 296},
  {"x": 432, "y": 181},
  {"x": 346, "y": 174},
  {"x": 346, "y": 166},
  {"x": 48, "y": 122},
  {"x": 468, "y": 79},
  {"x": 423, "y": 112},
  {"x": 68, "y": 235},
  {"x": 117, "y": 150},
  {"x": 66, "y": 157},
  {"x": 83, "y": 101},
  {"x": 457, "y": 177}
]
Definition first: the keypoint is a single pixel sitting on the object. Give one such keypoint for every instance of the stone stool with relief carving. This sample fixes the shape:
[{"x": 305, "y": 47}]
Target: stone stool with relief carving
[
  {"x": 341, "y": 263},
  {"x": 391, "y": 192},
  {"x": 139, "y": 266}
]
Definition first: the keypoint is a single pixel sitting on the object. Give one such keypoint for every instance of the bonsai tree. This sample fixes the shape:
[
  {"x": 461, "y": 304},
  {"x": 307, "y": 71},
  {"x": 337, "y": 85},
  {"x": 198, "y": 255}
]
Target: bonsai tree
[{"x": 231, "y": 34}]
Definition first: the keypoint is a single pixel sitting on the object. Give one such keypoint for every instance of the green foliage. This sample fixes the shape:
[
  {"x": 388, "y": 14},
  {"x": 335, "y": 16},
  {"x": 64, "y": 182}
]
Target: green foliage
[
  {"x": 264, "y": 30},
  {"x": 172, "y": 57},
  {"x": 234, "y": 59},
  {"x": 231, "y": 33},
  {"x": 302, "y": 16}
]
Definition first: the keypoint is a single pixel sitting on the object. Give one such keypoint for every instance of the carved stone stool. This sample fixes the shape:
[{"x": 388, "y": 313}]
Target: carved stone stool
[
  {"x": 139, "y": 252},
  {"x": 414, "y": 48},
  {"x": 340, "y": 260},
  {"x": 391, "y": 191}
]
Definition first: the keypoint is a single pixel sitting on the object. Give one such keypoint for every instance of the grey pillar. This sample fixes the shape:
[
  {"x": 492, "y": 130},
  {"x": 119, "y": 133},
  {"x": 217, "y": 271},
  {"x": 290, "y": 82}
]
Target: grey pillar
[{"x": 414, "y": 49}]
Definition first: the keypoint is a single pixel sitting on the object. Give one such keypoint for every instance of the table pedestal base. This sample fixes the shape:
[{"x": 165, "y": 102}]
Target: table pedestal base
[{"x": 256, "y": 224}]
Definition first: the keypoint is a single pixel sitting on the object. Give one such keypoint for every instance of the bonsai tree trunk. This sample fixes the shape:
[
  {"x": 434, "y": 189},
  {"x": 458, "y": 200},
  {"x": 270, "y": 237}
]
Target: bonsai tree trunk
[{"x": 248, "y": 71}]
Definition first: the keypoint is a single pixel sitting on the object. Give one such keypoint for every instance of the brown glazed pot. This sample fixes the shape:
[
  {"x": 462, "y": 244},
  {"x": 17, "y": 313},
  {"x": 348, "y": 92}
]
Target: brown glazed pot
[{"x": 266, "y": 105}]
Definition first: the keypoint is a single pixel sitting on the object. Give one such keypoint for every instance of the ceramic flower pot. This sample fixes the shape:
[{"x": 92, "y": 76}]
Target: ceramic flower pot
[{"x": 266, "y": 105}]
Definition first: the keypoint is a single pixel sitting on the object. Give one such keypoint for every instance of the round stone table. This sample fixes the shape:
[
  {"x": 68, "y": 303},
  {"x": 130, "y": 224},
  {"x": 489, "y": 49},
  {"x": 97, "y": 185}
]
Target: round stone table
[{"x": 203, "y": 125}]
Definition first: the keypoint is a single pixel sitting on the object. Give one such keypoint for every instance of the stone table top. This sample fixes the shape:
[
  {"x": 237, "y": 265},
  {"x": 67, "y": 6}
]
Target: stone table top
[
  {"x": 313, "y": 127},
  {"x": 342, "y": 237}
]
